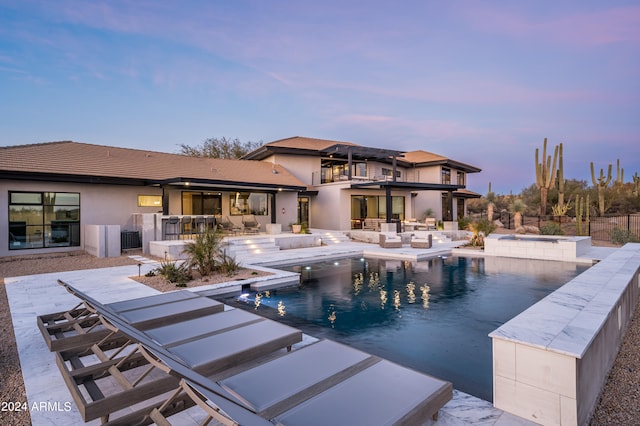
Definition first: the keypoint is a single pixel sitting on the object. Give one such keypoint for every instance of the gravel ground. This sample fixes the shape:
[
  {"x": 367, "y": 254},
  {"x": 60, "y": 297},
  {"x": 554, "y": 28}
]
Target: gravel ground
[{"x": 619, "y": 403}]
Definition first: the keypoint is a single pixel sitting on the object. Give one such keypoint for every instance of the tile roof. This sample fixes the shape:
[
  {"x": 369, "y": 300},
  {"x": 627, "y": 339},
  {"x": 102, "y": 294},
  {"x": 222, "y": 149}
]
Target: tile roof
[
  {"x": 422, "y": 157},
  {"x": 300, "y": 142},
  {"x": 81, "y": 159}
]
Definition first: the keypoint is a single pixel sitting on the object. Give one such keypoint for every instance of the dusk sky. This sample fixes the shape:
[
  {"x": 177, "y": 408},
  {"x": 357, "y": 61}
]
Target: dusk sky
[{"x": 479, "y": 82}]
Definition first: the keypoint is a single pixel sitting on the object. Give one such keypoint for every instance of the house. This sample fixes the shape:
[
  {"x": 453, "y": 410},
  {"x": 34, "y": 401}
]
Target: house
[
  {"x": 52, "y": 194},
  {"x": 355, "y": 183}
]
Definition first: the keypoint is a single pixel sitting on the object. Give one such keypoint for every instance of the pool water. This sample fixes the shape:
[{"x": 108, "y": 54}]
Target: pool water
[{"x": 433, "y": 316}]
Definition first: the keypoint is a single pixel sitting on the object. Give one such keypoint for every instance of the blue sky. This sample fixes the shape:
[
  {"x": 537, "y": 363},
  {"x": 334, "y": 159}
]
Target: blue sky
[{"x": 480, "y": 82}]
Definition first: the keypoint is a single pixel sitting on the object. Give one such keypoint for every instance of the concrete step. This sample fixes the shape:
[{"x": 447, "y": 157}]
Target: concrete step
[
  {"x": 243, "y": 252},
  {"x": 335, "y": 237}
]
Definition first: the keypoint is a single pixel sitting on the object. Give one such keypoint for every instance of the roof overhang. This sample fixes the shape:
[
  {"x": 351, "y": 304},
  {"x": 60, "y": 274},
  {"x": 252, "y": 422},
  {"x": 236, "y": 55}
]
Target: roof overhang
[
  {"x": 68, "y": 178},
  {"x": 361, "y": 152},
  {"x": 407, "y": 186},
  {"x": 450, "y": 163},
  {"x": 225, "y": 185}
]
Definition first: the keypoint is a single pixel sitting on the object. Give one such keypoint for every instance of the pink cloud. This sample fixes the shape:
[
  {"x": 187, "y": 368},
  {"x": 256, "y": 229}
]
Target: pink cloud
[{"x": 582, "y": 29}]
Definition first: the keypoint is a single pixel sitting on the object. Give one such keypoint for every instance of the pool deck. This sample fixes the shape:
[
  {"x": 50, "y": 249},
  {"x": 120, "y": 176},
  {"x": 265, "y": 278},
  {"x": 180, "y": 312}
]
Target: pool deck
[{"x": 33, "y": 295}]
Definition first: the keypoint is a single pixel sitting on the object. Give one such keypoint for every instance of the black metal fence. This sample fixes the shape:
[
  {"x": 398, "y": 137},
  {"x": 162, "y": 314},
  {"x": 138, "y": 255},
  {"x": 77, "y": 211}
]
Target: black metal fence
[{"x": 600, "y": 228}]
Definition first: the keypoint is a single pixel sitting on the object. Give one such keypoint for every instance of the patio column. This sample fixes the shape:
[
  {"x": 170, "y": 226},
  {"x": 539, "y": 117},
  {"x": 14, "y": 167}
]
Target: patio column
[
  {"x": 388, "y": 203},
  {"x": 165, "y": 202},
  {"x": 350, "y": 160}
]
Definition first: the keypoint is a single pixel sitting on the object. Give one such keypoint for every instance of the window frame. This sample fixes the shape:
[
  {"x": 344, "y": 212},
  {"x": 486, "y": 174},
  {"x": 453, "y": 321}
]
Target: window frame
[{"x": 48, "y": 230}]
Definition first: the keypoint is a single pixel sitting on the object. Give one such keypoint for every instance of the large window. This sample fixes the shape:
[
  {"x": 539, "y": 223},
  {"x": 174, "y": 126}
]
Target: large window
[
  {"x": 43, "y": 219},
  {"x": 375, "y": 207},
  {"x": 461, "y": 178},
  {"x": 256, "y": 203},
  {"x": 201, "y": 203},
  {"x": 333, "y": 170}
]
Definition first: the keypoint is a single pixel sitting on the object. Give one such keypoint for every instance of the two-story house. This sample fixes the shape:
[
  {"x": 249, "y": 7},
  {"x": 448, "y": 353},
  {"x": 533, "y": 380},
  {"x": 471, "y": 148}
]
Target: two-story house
[{"x": 348, "y": 183}]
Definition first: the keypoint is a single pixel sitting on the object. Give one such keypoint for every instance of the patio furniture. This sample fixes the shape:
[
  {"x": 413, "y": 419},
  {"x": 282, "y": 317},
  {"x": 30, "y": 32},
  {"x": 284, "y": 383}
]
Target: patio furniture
[
  {"x": 199, "y": 225},
  {"x": 372, "y": 224},
  {"x": 186, "y": 226},
  {"x": 82, "y": 324},
  {"x": 122, "y": 376},
  {"x": 172, "y": 228},
  {"x": 210, "y": 223},
  {"x": 323, "y": 383},
  {"x": 390, "y": 241},
  {"x": 250, "y": 224},
  {"x": 227, "y": 226},
  {"x": 430, "y": 222},
  {"x": 423, "y": 243}
]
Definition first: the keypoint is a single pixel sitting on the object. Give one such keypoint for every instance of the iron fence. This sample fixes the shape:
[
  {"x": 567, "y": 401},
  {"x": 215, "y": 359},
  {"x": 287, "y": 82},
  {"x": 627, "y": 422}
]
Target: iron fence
[{"x": 600, "y": 228}]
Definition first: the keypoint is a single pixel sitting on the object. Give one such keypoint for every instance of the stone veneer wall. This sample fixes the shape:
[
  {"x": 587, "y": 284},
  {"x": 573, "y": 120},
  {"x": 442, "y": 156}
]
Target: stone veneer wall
[{"x": 551, "y": 361}]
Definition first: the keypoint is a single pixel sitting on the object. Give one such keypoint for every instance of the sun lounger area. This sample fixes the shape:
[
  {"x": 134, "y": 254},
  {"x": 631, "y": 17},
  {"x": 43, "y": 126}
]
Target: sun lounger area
[{"x": 149, "y": 359}]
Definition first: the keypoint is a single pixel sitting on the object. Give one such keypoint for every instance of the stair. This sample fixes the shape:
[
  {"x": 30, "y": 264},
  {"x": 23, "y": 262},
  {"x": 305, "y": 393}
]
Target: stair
[
  {"x": 332, "y": 237},
  {"x": 250, "y": 246}
]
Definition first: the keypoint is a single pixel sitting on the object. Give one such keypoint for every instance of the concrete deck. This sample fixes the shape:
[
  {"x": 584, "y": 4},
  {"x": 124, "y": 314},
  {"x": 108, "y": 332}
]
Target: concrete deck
[{"x": 34, "y": 295}]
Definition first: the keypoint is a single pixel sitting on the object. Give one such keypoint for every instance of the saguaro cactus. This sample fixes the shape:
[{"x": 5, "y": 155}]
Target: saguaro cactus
[
  {"x": 561, "y": 180},
  {"x": 491, "y": 197},
  {"x": 619, "y": 174},
  {"x": 582, "y": 206},
  {"x": 545, "y": 175},
  {"x": 601, "y": 183},
  {"x": 636, "y": 184}
]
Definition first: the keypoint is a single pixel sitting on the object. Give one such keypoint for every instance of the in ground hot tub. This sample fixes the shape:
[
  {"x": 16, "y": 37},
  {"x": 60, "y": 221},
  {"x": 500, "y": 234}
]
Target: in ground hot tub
[{"x": 546, "y": 247}]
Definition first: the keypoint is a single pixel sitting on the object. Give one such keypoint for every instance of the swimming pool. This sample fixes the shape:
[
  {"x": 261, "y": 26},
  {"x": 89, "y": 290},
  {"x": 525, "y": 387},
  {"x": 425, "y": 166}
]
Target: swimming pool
[{"x": 433, "y": 316}]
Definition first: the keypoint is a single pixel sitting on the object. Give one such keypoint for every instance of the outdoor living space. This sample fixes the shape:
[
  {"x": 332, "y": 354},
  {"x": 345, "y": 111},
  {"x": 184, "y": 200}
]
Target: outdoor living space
[{"x": 36, "y": 295}]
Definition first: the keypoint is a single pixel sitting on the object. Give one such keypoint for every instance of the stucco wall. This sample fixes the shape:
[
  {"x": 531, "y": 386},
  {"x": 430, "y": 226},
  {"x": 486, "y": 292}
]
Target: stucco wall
[{"x": 99, "y": 205}]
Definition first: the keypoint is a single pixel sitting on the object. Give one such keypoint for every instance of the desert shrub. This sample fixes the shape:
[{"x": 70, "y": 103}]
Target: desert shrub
[
  {"x": 151, "y": 273},
  {"x": 622, "y": 236},
  {"x": 551, "y": 228},
  {"x": 463, "y": 222},
  {"x": 480, "y": 228},
  {"x": 228, "y": 264},
  {"x": 203, "y": 253},
  {"x": 180, "y": 275}
]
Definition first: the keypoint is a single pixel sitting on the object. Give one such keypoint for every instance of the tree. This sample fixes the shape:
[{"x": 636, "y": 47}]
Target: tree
[{"x": 220, "y": 148}]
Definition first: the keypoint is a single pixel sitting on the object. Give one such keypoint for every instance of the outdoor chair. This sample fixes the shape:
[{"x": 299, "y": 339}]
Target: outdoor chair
[
  {"x": 344, "y": 386},
  {"x": 172, "y": 228},
  {"x": 250, "y": 224},
  {"x": 210, "y": 223},
  {"x": 227, "y": 226},
  {"x": 430, "y": 222},
  {"x": 186, "y": 226},
  {"x": 81, "y": 325},
  {"x": 390, "y": 241},
  {"x": 123, "y": 376},
  {"x": 423, "y": 243},
  {"x": 199, "y": 225}
]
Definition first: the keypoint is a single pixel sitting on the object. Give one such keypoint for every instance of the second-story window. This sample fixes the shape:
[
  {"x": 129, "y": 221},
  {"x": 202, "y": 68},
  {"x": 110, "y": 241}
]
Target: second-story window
[
  {"x": 461, "y": 178},
  {"x": 446, "y": 176},
  {"x": 389, "y": 172}
]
